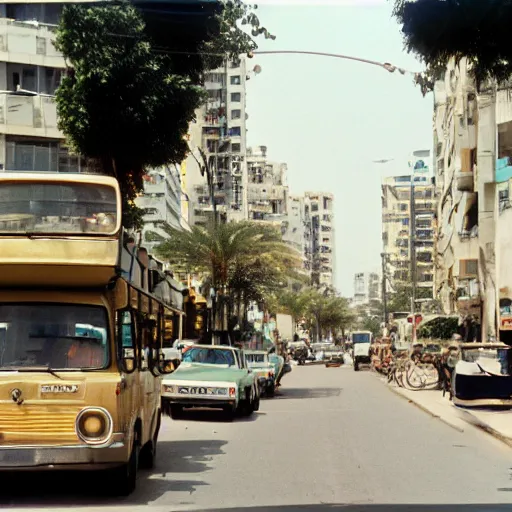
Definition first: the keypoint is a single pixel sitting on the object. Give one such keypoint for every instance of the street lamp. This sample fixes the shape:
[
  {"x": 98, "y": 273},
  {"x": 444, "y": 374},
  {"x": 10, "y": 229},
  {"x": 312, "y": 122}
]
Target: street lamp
[{"x": 384, "y": 65}]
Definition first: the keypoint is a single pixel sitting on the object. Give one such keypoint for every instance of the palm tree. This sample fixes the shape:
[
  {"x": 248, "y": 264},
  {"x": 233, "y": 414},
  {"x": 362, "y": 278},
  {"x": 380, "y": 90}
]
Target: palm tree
[{"x": 244, "y": 258}]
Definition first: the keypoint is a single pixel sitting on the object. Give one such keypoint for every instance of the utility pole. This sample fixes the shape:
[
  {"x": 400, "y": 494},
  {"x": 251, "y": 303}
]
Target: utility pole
[
  {"x": 412, "y": 226},
  {"x": 384, "y": 290}
]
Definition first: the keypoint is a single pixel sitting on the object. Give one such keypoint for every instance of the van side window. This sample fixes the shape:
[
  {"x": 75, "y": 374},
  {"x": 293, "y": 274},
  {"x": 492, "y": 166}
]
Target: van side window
[{"x": 127, "y": 329}]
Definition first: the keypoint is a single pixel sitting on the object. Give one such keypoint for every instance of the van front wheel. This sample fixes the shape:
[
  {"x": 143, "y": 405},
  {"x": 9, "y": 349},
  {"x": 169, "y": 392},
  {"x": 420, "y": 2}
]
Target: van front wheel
[{"x": 125, "y": 477}]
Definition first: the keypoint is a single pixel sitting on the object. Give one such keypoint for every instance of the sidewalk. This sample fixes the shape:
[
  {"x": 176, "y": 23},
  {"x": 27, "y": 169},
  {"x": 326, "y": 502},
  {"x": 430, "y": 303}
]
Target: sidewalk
[{"x": 496, "y": 423}]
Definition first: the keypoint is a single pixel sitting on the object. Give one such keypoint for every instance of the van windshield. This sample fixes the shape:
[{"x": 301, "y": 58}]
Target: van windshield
[
  {"x": 55, "y": 336},
  {"x": 361, "y": 337}
]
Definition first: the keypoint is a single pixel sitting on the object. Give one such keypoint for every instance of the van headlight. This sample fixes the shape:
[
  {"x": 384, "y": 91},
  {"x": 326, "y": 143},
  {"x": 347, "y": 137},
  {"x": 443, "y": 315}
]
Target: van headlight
[{"x": 94, "y": 425}]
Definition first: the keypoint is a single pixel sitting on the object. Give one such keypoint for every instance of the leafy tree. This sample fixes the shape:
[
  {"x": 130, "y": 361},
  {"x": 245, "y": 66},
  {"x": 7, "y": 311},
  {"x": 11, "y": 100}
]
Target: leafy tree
[
  {"x": 400, "y": 300},
  {"x": 439, "y": 30},
  {"x": 219, "y": 249},
  {"x": 371, "y": 323},
  {"x": 126, "y": 105},
  {"x": 439, "y": 328}
]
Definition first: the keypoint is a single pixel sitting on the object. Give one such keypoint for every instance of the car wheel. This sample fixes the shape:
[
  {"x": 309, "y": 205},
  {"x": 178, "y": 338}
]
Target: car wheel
[
  {"x": 176, "y": 411},
  {"x": 271, "y": 390},
  {"x": 356, "y": 365},
  {"x": 256, "y": 403}
]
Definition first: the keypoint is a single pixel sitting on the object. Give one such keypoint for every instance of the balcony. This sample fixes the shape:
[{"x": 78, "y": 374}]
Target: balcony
[
  {"x": 465, "y": 181},
  {"x": 34, "y": 116},
  {"x": 28, "y": 43}
]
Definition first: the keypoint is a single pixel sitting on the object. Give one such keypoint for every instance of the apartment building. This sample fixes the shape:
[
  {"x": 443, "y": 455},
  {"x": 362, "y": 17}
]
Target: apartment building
[
  {"x": 408, "y": 227},
  {"x": 267, "y": 189},
  {"x": 30, "y": 72},
  {"x": 298, "y": 233},
  {"x": 367, "y": 288},
  {"x": 473, "y": 144},
  {"x": 319, "y": 213},
  {"x": 220, "y": 133},
  {"x": 161, "y": 201}
]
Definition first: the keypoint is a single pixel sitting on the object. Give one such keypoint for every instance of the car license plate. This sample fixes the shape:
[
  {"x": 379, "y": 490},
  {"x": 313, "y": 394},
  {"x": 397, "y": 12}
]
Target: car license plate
[{"x": 202, "y": 391}]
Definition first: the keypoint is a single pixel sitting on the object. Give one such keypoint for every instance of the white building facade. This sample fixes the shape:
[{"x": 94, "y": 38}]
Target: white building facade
[
  {"x": 319, "y": 213},
  {"x": 30, "y": 72},
  {"x": 367, "y": 288},
  {"x": 220, "y": 133},
  {"x": 473, "y": 141}
]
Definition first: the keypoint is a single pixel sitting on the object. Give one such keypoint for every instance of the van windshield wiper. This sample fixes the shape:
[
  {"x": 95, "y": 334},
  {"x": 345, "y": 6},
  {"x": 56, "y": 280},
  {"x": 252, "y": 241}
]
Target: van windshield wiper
[{"x": 46, "y": 369}]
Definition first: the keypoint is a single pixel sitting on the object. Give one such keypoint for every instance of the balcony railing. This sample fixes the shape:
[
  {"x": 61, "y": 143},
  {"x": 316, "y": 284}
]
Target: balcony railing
[
  {"x": 29, "y": 43},
  {"x": 29, "y": 115}
]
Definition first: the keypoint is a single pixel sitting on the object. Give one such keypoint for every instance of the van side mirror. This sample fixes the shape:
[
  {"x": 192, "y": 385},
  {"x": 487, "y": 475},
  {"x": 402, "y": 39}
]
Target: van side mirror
[{"x": 128, "y": 359}]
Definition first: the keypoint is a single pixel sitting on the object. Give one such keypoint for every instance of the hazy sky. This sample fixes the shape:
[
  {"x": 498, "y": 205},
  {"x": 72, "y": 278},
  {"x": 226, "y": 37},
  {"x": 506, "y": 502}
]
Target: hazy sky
[{"x": 328, "y": 119}]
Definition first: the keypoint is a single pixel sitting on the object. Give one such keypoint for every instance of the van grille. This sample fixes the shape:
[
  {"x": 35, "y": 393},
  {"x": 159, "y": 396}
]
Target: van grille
[{"x": 30, "y": 424}]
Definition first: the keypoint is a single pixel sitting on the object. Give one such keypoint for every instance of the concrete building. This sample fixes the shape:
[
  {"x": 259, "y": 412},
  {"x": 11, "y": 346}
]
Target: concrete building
[
  {"x": 267, "y": 193},
  {"x": 298, "y": 233},
  {"x": 473, "y": 142},
  {"x": 161, "y": 200},
  {"x": 403, "y": 253},
  {"x": 319, "y": 213},
  {"x": 30, "y": 72},
  {"x": 220, "y": 132},
  {"x": 367, "y": 288}
]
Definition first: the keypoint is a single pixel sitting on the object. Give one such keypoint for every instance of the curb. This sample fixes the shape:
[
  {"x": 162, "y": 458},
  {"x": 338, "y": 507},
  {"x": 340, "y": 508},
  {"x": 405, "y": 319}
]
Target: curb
[
  {"x": 471, "y": 419},
  {"x": 426, "y": 410}
]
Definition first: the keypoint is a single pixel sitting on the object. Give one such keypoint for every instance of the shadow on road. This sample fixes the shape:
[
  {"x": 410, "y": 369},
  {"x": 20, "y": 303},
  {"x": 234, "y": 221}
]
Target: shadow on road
[
  {"x": 297, "y": 393},
  {"x": 63, "y": 489},
  {"x": 215, "y": 416},
  {"x": 369, "y": 508}
]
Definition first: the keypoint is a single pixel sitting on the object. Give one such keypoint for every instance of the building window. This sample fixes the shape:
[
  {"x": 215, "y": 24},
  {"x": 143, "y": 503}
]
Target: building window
[
  {"x": 44, "y": 13},
  {"x": 40, "y": 79},
  {"x": 235, "y": 80},
  {"x": 236, "y": 131},
  {"x": 40, "y": 155},
  {"x": 31, "y": 155},
  {"x": 235, "y": 148},
  {"x": 234, "y": 64},
  {"x": 236, "y": 114},
  {"x": 236, "y": 97},
  {"x": 314, "y": 207},
  {"x": 403, "y": 207},
  {"x": 468, "y": 268}
]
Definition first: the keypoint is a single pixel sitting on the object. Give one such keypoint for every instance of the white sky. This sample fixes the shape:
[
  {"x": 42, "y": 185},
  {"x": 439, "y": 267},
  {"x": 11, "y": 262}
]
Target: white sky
[{"x": 328, "y": 119}]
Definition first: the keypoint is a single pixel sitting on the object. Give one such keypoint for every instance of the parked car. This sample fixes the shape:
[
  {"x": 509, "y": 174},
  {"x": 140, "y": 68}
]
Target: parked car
[
  {"x": 264, "y": 371},
  {"x": 481, "y": 377},
  {"x": 212, "y": 376}
]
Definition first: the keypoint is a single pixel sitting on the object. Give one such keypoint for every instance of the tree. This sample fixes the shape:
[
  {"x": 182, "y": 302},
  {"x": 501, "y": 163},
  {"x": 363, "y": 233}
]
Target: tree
[
  {"x": 126, "y": 105},
  {"x": 400, "y": 299},
  {"x": 244, "y": 261},
  {"x": 439, "y": 30},
  {"x": 295, "y": 304},
  {"x": 218, "y": 249},
  {"x": 371, "y": 323}
]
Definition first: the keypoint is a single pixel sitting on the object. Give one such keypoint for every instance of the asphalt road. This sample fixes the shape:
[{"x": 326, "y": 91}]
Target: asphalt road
[{"x": 331, "y": 436}]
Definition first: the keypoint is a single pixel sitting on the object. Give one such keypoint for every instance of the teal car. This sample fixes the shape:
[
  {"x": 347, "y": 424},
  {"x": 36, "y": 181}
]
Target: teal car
[
  {"x": 264, "y": 370},
  {"x": 211, "y": 376},
  {"x": 281, "y": 366}
]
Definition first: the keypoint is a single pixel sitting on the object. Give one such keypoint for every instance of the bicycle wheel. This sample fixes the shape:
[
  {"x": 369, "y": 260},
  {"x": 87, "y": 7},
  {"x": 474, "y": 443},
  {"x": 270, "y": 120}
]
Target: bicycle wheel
[{"x": 420, "y": 377}]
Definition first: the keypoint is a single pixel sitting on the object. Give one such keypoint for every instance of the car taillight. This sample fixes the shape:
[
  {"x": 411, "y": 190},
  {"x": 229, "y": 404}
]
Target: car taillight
[{"x": 232, "y": 391}]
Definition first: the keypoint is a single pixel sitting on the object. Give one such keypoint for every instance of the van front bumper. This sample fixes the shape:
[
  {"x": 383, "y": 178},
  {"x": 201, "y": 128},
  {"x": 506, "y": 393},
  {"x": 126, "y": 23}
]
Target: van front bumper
[{"x": 65, "y": 457}]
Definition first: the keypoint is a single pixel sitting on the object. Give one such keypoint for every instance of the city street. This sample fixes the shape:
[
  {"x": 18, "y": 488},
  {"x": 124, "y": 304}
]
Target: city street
[{"x": 331, "y": 436}]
